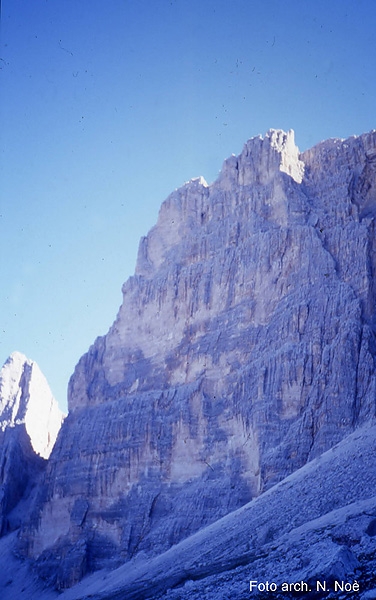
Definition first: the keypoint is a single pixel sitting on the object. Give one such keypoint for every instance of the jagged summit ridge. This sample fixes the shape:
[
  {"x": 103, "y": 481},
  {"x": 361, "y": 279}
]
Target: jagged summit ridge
[{"x": 189, "y": 210}]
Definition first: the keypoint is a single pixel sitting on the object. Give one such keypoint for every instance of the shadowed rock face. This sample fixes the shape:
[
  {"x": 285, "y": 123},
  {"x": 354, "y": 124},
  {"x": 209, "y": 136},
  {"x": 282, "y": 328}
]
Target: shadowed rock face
[
  {"x": 318, "y": 524},
  {"x": 244, "y": 347},
  {"x": 29, "y": 423},
  {"x": 20, "y": 468}
]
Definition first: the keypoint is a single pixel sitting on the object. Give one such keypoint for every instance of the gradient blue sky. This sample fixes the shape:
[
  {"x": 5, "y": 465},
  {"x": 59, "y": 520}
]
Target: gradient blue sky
[{"x": 106, "y": 107}]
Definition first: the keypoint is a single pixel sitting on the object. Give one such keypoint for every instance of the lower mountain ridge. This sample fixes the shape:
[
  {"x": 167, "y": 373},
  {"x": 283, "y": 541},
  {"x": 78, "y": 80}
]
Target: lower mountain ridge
[
  {"x": 30, "y": 420},
  {"x": 223, "y": 431}
]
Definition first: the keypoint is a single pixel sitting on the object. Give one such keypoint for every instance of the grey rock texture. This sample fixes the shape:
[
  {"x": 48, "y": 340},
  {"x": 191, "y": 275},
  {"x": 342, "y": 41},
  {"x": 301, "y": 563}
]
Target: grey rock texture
[
  {"x": 20, "y": 468},
  {"x": 319, "y": 524},
  {"x": 30, "y": 420},
  {"x": 243, "y": 349}
]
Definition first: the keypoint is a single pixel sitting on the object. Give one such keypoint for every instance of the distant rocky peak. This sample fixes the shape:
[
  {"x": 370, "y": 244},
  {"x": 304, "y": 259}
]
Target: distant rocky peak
[
  {"x": 25, "y": 398},
  {"x": 14, "y": 369}
]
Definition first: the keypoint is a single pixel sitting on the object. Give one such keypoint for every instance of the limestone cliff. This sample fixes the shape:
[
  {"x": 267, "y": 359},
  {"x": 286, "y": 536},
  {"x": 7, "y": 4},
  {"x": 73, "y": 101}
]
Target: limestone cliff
[
  {"x": 244, "y": 347},
  {"x": 318, "y": 525},
  {"x": 29, "y": 423}
]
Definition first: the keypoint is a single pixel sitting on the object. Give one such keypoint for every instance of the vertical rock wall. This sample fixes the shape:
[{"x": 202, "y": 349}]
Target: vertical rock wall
[{"x": 243, "y": 348}]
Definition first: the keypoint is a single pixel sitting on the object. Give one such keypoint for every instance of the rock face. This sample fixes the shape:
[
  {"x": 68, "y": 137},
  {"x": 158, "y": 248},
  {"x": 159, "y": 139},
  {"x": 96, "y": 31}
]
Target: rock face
[
  {"x": 295, "y": 532},
  {"x": 30, "y": 420},
  {"x": 244, "y": 348}
]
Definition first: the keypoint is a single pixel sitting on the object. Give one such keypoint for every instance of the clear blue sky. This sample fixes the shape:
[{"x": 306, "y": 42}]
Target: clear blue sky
[{"x": 106, "y": 107}]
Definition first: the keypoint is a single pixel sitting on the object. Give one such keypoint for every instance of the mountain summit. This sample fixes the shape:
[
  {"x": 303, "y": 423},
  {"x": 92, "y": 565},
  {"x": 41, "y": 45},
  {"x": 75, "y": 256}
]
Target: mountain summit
[
  {"x": 25, "y": 398},
  {"x": 244, "y": 349}
]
